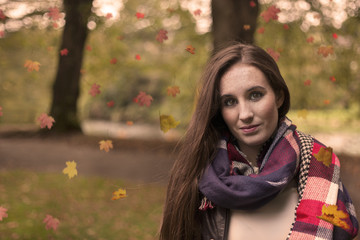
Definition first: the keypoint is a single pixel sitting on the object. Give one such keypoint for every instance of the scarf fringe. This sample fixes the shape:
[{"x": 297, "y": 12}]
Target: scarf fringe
[{"x": 206, "y": 204}]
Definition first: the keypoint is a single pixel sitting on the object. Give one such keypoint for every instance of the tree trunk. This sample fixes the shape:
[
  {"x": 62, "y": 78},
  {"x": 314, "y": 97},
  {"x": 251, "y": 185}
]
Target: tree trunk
[
  {"x": 233, "y": 20},
  {"x": 67, "y": 82}
]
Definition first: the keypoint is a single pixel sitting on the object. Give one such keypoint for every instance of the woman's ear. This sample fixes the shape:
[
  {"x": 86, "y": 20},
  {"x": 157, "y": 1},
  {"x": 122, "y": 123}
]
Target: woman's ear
[{"x": 279, "y": 99}]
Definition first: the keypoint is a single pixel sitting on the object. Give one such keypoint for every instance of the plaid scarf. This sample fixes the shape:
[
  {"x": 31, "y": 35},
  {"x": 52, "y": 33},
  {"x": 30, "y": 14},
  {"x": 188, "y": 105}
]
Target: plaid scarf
[{"x": 324, "y": 209}]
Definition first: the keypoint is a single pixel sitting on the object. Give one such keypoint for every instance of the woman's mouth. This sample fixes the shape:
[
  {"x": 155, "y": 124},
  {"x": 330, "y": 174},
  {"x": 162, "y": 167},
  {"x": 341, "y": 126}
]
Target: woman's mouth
[{"x": 249, "y": 129}]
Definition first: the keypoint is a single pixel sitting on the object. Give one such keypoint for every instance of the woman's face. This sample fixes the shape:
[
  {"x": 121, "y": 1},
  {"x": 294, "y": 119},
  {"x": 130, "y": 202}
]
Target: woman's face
[{"x": 249, "y": 106}]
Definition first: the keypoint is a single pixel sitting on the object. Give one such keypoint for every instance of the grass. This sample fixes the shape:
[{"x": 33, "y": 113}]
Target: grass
[{"x": 82, "y": 204}]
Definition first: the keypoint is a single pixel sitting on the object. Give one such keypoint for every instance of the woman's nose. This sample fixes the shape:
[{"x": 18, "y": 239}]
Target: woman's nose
[{"x": 245, "y": 112}]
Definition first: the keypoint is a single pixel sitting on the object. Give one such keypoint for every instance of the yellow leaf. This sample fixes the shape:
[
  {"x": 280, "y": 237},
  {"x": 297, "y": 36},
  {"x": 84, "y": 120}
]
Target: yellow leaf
[
  {"x": 70, "y": 170},
  {"x": 334, "y": 216},
  {"x": 173, "y": 91},
  {"x": 120, "y": 193},
  {"x": 302, "y": 113},
  {"x": 106, "y": 145},
  {"x": 324, "y": 155},
  {"x": 167, "y": 122}
]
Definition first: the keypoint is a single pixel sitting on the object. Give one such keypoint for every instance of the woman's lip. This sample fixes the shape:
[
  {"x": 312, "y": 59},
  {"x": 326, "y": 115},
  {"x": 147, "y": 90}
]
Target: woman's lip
[{"x": 249, "y": 129}]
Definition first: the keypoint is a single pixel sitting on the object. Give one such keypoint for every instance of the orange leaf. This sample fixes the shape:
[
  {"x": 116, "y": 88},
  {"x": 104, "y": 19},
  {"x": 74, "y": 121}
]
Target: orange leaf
[
  {"x": 197, "y": 12},
  {"x": 143, "y": 99},
  {"x": 51, "y": 222},
  {"x": 111, "y": 103},
  {"x": 109, "y": 15},
  {"x": 324, "y": 155},
  {"x": 326, "y": 101},
  {"x": 275, "y": 55},
  {"x": 331, "y": 214},
  {"x": 46, "y": 121},
  {"x": 173, "y": 91},
  {"x": 3, "y": 213},
  {"x": 120, "y": 193},
  {"x": 190, "y": 49},
  {"x": 332, "y": 78},
  {"x": 162, "y": 35},
  {"x": 32, "y": 65},
  {"x": 310, "y": 39},
  {"x": 246, "y": 27},
  {"x": 106, "y": 145},
  {"x": 95, "y": 90},
  {"x": 325, "y": 50},
  {"x": 261, "y": 30},
  {"x": 129, "y": 123},
  {"x": 307, "y": 82},
  {"x": 88, "y": 47}
]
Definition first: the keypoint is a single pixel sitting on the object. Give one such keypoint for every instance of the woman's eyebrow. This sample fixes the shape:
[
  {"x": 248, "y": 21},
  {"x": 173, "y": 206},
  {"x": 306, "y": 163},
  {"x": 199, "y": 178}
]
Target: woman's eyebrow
[{"x": 256, "y": 88}]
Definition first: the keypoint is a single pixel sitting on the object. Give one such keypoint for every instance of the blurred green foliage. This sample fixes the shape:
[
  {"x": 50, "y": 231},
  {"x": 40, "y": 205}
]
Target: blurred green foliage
[{"x": 24, "y": 95}]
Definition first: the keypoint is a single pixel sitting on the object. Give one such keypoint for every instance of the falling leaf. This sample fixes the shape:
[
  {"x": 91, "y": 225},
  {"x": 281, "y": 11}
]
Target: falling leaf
[
  {"x": 55, "y": 25},
  {"x": 275, "y": 55},
  {"x": 334, "y": 35},
  {"x": 197, "y": 12},
  {"x": 120, "y": 38},
  {"x": 332, "y": 78},
  {"x": 51, "y": 222},
  {"x": 32, "y": 65},
  {"x": 143, "y": 99},
  {"x": 270, "y": 13},
  {"x": 88, "y": 47},
  {"x": 246, "y": 27},
  {"x": 325, "y": 50},
  {"x": 64, "y": 52},
  {"x": 70, "y": 169},
  {"x": 138, "y": 57},
  {"x": 286, "y": 27},
  {"x": 46, "y": 121},
  {"x": 331, "y": 214},
  {"x": 302, "y": 113},
  {"x": 108, "y": 15},
  {"x": 307, "y": 82},
  {"x": 129, "y": 123},
  {"x": 54, "y": 14},
  {"x": 172, "y": 91},
  {"x": 310, "y": 39},
  {"x": 2, "y": 34},
  {"x": 3, "y": 213},
  {"x": 162, "y": 35},
  {"x": 167, "y": 122},
  {"x": 106, "y": 145},
  {"x": 139, "y": 15},
  {"x": 50, "y": 48},
  {"x": 252, "y": 4},
  {"x": 113, "y": 60},
  {"x": 120, "y": 193},
  {"x": 326, "y": 101},
  {"x": 82, "y": 71},
  {"x": 1, "y": 113},
  {"x": 261, "y": 30},
  {"x": 2, "y": 15},
  {"x": 110, "y": 103},
  {"x": 95, "y": 90},
  {"x": 190, "y": 49},
  {"x": 324, "y": 155}
]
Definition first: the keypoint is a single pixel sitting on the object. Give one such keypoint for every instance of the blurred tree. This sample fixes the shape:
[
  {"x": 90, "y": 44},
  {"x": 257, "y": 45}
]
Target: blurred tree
[
  {"x": 66, "y": 85},
  {"x": 233, "y": 20}
]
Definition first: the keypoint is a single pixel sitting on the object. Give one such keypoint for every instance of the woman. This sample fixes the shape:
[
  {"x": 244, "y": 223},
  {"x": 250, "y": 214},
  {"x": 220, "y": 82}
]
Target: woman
[{"x": 244, "y": 171}]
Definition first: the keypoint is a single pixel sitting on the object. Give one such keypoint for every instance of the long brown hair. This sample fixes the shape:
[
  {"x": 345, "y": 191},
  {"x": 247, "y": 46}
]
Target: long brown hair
[{"x": 181, "y": 215}]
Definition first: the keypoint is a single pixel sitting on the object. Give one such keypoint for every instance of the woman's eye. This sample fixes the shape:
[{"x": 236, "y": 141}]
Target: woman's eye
[
  {"x": 256, "y": 95},
  {"x": 229, "y": 102}
]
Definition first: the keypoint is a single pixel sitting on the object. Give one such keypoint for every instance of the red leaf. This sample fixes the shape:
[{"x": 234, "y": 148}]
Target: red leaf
[
  {"x": 325, "y": 50},
  {"x": 307, "y": 82},
  {"x": 137, "y": 57},
  {"x": 54, "y": 14},
  {"x": 51, "y": 222},
  {"x": 332, "y": 78},
  {"x": 139, "y": 15},
  {"x": 270, "y": 13},
  {"x": 252, "y": 4},
  {"x": 88, "y": 47},
  {"x": 143, "y": 99},
  {"x": 310, "y": 39},
  {"x": 3, "y": 213},
  {"x": 334, "y": 35},
  {"x": 1, "y": 113},
  {"x": 172, "y": 91},
  {"x": 197, "y": 12},
  {"x": 2, "y": 15},
  {"x": 261, "y": 30},
  {"x": 109, "y": 15},
  {"x": 286, "y": 27},
  {"x": 111, "y": 103},
  {"x": 162, "y": 35},
  {"x": 129, "y": 123},
  {"x": 46, "y": 121},
  {"x": 95, "y": 90},
  {"x": 326, "y": 101},
  {"x": 275, "y": 55},
  {"x": 2, "y": 34},
  {"x": 64, "y": 52},
  {"x": 113, "y": 60}
]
